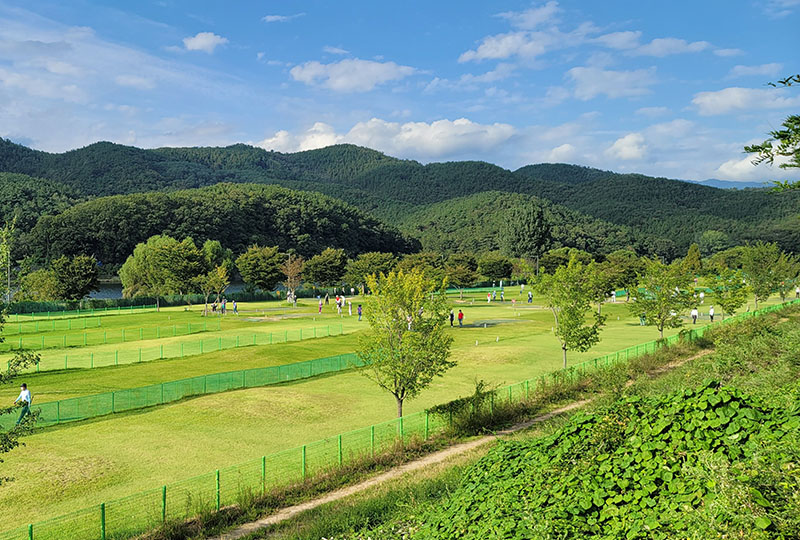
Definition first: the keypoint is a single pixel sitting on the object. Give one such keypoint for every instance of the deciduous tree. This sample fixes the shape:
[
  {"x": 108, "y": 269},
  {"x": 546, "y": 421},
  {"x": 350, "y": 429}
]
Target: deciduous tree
[
  {"x": 730, "y": 291},
  {"x": 664, "y": 295},
  {"x": 326, "y": 268},
  {"x": 462, "y": 271},
  {"x": 75, "y": 278},
  {"x": 260, "y": 267},
  {"x": 292, "y": 268},
  {"x": 759, "y": 263},
  {"x": 568, "y": 292},
  {"x": 406, "y": 346}
]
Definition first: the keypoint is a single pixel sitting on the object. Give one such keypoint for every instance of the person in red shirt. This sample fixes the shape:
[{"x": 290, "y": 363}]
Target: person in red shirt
[{"x": 460, "y": 318}]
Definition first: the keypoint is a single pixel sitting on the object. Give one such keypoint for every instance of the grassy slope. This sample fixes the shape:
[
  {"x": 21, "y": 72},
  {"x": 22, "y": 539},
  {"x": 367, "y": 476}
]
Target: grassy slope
[{"x": 81, "y": 464}]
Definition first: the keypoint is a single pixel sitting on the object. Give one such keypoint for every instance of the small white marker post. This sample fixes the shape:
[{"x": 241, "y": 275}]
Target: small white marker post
[{"x": 476, "y": 342}]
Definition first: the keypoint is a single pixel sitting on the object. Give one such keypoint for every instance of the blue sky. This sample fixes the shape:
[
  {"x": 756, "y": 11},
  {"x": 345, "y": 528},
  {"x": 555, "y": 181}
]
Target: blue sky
[{"x": 664, "y": 88}]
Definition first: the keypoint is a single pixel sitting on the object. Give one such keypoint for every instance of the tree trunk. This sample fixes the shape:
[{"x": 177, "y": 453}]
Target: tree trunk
[
  {"x": 399, "y": 406},
  {"x": 461, "y": 291},
  {"x": 599, "y": 307},
  {"x": 564, "y": 351},
  {"x": 205, "y": 309},
  {"x": 661, "y": 331},
  {"x": 756, "y": 302},
  {"x": 158, "y": 304}
]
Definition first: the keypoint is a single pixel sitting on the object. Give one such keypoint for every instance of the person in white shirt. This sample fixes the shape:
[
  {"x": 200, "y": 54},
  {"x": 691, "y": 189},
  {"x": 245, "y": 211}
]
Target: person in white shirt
[
  {"x": 25, "y": 400},
  {"x": 711, "y": 313},
  {"x": 694, "y": 315}
]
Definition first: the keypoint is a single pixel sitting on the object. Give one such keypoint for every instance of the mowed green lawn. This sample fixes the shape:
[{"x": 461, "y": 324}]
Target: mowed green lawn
[{"x": 66, "y": 468}]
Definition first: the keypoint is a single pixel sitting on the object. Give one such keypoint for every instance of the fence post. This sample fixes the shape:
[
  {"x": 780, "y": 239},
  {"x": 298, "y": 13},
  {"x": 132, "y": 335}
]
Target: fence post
[
  {"x": 426, "y": 425},
  {"x": 509, "y": 393},
  {"x": 527, "y": 385},
  {"x": 163, "y": 503},
  {"x": 116, "y": 357},
  {"x": 30, "y": 531},
  {"x": 162, "y": 352},
  {"x": 140, "y": 354},
  {"x": 263, "y": 474},
  {"x": 372, "y": 440},
  {"x": 91, "y": 360},
  {"x": 58, "y": 412},
  {"x": 303, "y": 461},
  {"x": 217, "y": 481},
  {"x": 340, "y": 450},
  {"x": 102, "y": 521}
]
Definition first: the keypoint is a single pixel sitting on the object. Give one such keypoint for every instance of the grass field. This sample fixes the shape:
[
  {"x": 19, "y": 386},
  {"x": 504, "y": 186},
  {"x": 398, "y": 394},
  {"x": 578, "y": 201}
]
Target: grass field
[{"x": 66, "y": 468}]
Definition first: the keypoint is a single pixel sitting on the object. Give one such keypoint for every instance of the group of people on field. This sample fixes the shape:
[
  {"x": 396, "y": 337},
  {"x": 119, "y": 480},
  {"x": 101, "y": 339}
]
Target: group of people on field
[
  {"x": 223, "y": 307},
  {"x": 340, "y": 302}
]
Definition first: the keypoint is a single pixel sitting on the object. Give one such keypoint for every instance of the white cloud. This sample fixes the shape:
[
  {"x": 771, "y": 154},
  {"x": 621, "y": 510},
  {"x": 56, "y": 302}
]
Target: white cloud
[
  {"x": 350, "y": 75},
  {"x": 591, "y": 82},
  {"x": 334, "y": 50},
  {"x": 280, "y": 18},
  {"x": 742, "y": 99},
  {"x": 763, "y": 70},
  {"x": 661, "y": 47},
  {"x": 780, "y": 8},
  {"x": 204, "y": 41},
  {"x": 561, "y": 154},
  {"x": 671, "y": 131},
  {"x": 418, "y": 139},
  {"x": 532, "y": 17},
  {"x": 135, "y": 81},
  {"x": 743, "y": 169},
  {"x": 629, "y": 147},
  {"x": 620, "y": 40},
  {"x": 728, "y": 52},
  {"x": 528, "y": 45},
  {"x": 652, "y": 111}
]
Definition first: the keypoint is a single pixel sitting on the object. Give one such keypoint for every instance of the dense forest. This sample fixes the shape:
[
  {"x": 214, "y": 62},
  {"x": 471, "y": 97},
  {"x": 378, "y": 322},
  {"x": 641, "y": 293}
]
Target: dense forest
[
  {"x": 237, "y": 215},
  {"x": 446, "y": 206}
]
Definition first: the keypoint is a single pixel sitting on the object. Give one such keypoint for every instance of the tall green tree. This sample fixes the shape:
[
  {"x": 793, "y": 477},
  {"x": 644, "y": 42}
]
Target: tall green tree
[
  {"x": 429, "y": 262},
  {"x": 462, "y": 271},
  {"x": 527, "y": 233},
  {"x": 161, "y": 266},
  {"x": 692, "y": 263},
  {"x": 624, "y": 267},
  {"x": 664, "y": 297},
  {"x": 326, "y": 268},
  {"x": 406, "y": 346},
  {"x": 213, "y": 255},
  {"x": 786, "y": 271},
  {"x": 602, "y": 280},
  {"x": 759, "y": 263},
  {"x": 75, "y": 278},
  {"x": 495, "y": 266},
  {"x": 261, "y": 267},
  {"x": 729, "y": 291},
  {"x": 367, "y": 264},
  {"x": 561, "y": 257},
  {"x": 39, "y": 286},
  {"x": 569, "y": 294}
]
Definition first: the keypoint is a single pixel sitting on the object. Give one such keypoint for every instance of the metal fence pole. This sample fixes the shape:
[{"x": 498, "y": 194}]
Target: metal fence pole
[
  {"x": 303, "y": 461},
  {"x": 263, "y": 474},
  {"x": 217, "y": 482},
  {"x": 163, "y": 503},
  {"x": 340, "y": 450},
  {"x": 102, "y": 521}
]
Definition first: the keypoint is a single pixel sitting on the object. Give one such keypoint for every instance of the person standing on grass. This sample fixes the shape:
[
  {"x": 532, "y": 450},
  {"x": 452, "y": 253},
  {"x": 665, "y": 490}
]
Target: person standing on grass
[
  {"x": 327, "y": 299},
  {"x": 502, "y": 296},
  {"x": 460, "y": 318},
  {"x": 711, "y": 313},
  {"x": 235, "y": 308},
  {"x": 320, "y": 307},
  {"x": 359, "y": 312},
  {"x": 530, "y": 297},
  {"x": 702, "y": 296},
  {"x": 224, "y": 305},
  {"x": 452, "y": 317},
  {"x": 350, "y": 308},
  {"x": 488, "y": 297},
  {"x": 694, "y": 315},
  {"x": 797, "y": 292},
  {"x": 25, "y": 400}
]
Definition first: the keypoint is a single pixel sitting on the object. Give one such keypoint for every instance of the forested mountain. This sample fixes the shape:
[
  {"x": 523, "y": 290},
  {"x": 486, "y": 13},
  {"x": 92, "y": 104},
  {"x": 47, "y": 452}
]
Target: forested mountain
[
  {"x": 654, "y": 214},
  {"x": 237, "y": 215},
  {"x": 27, "y": 198},
  {"x": 477, "y": 223},
  {"x": 679, "y": 211}
]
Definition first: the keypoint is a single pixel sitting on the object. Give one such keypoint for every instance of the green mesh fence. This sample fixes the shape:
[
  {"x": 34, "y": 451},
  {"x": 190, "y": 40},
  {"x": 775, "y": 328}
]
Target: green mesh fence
[
  {"x": 52, "y": 360},
  {"x": 81, "y": 408},
  {"x": 128, "y": 516},
  {"x": 73, "y": 313},
  {"x": 99, "y": 337}
]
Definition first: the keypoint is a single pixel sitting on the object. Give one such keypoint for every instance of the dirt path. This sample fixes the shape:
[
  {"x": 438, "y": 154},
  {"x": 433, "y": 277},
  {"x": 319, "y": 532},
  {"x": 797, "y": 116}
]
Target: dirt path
[{"x": 431, "y": 459}]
